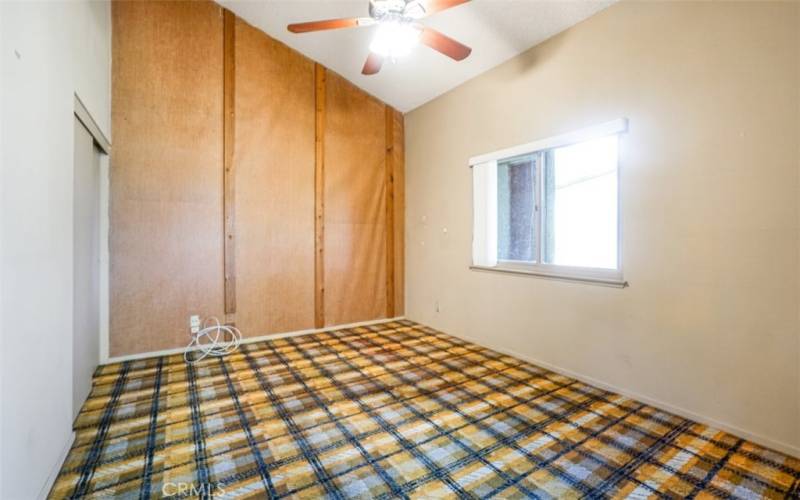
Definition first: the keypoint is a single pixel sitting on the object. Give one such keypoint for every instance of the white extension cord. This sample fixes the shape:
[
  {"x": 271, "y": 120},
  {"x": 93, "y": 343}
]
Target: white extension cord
[{"x": 214, "y": 339}]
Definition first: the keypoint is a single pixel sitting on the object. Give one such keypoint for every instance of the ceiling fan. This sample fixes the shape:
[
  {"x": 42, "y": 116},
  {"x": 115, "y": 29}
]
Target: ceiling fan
[{"x": 398, "y": 30}]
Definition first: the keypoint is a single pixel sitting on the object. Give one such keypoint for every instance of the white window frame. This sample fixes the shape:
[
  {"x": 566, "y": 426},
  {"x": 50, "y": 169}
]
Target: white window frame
[{"x": 608, "y": 277}]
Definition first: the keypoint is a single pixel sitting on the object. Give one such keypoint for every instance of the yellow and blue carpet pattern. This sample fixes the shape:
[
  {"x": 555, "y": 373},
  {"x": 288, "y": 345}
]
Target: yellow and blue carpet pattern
[{"x": 395, "y": 410}]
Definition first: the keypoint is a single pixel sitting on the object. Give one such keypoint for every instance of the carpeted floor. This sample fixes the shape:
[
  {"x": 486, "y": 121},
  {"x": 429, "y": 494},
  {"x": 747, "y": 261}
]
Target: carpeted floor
[{"x": 392, "y": 410}]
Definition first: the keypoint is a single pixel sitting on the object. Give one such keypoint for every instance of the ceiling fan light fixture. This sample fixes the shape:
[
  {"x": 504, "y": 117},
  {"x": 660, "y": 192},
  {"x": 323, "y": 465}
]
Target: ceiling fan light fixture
[
  {"x": 398, "y": 30},
  {"x": 395, "y": 39}
]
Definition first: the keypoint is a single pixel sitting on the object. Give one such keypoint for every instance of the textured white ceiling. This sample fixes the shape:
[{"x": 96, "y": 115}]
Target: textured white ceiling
[{"x": 497, "y": 30}]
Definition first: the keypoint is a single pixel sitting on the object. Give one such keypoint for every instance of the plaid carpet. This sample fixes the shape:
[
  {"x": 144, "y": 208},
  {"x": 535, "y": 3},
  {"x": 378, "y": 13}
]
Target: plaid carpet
[{"x": 392, "y": 410}]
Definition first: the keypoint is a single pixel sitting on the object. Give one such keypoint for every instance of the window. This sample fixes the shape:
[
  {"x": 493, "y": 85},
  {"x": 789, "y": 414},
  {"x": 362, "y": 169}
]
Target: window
[
  {"x": 551, "y": 207},
  {"x": 516, "y": 206}
]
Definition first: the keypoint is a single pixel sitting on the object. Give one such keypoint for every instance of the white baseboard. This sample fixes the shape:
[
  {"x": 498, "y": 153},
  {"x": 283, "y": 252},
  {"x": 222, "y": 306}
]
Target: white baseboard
[
  {"x": 250, "y": 340},
  {"x": 56, "y": 468},
  {"x": 731, "y": 429}
]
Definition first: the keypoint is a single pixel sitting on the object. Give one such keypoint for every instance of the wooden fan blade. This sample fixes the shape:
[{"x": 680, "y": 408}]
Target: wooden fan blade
[
  {"x": 373, "y": 64},
  {"x": 329, "y": 24},
  {"x": 444, "y": 44},
  {"x": 434, "y": 6}
]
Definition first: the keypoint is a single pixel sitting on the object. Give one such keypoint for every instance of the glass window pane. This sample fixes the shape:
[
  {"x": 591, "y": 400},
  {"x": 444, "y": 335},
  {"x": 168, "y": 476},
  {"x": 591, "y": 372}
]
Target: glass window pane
[
  {"x": 515, "y": 209},
  {"x": 580, "y": 204}
]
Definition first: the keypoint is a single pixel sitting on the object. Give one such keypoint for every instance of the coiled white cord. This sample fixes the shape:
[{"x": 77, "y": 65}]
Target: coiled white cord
[{"x": 214, "y": 339}]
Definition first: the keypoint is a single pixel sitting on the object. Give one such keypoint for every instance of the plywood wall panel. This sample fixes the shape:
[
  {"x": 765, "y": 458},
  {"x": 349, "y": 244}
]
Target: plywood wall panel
[
  {"x": 274, "y": 162},
  {"x": 311, "y": 162},
  {"x": 166, "y": 176},
  {"x": 355, "y": 238}
]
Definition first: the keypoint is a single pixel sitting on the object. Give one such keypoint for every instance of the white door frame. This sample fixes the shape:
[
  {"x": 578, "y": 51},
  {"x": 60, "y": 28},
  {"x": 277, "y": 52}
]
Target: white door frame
[{"x": 82, "y": 113}]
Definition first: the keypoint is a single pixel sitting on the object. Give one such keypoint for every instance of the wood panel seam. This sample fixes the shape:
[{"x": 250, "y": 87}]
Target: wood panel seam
[
  {"x": 319, "y": 195},
  {"x": 229, "y": 193},
  {"x": 389, "y": 189}
]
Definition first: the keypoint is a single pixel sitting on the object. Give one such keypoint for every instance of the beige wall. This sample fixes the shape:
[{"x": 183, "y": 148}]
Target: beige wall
[{"x": 709, "y": 324}]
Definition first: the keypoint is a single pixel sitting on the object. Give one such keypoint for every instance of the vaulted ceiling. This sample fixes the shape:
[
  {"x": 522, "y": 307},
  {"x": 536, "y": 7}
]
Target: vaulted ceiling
[{"x": 497, "y": 30}]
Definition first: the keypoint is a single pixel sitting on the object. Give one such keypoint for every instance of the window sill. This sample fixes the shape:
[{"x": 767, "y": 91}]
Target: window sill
[{"x": 610, "y": 282}]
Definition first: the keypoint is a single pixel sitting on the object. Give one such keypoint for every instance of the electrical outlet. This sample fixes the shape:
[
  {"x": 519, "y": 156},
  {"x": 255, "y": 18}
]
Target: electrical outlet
[{"x": 194, "y": 323}]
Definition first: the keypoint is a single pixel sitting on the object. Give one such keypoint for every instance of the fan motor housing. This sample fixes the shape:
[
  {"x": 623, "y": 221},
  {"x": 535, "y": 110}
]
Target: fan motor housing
[{"x": 379, "y": 9}]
